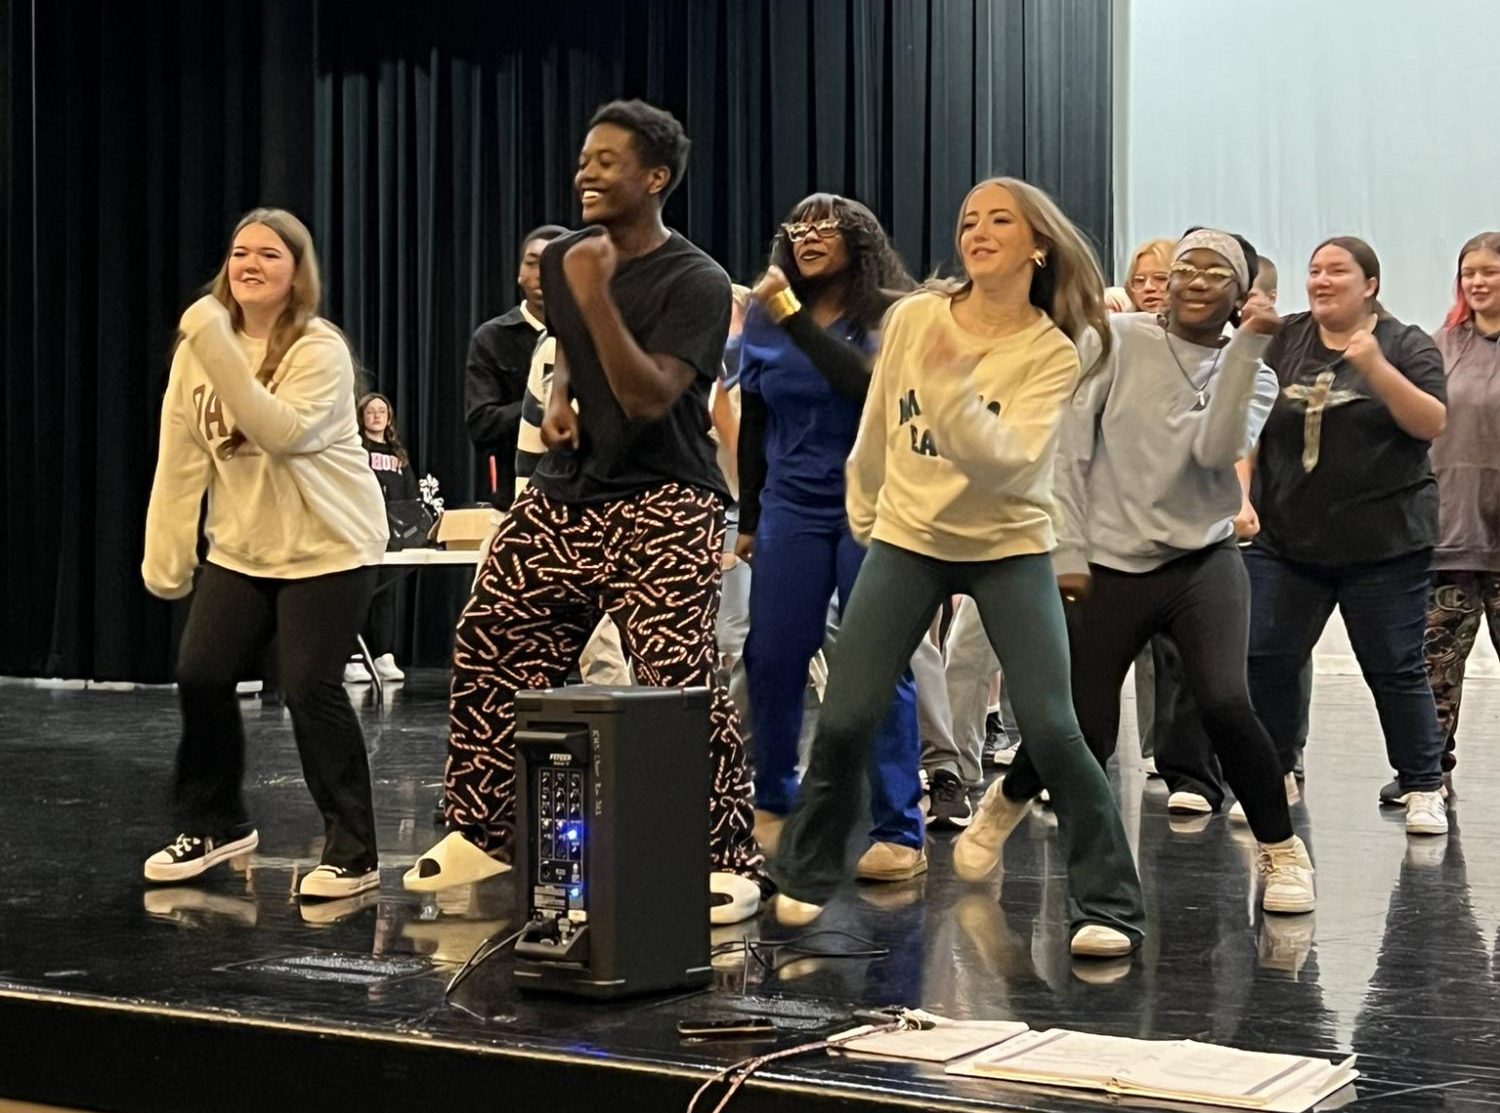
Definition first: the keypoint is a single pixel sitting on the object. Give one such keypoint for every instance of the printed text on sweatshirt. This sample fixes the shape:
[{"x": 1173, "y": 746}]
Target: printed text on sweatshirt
[{"x": 957, "y": 464}]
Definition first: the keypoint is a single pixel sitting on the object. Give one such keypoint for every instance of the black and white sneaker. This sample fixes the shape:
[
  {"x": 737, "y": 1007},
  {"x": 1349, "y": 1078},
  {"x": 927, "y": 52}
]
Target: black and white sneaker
[
  {"x": 327, "y": 882},
  {"x": 189, "y": 855},
  {"x": 949, "y": 806}
]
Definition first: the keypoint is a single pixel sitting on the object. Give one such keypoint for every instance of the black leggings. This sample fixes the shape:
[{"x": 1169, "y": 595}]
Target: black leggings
[
  {"x": 232, "y": 619},
  {"x": 1202, "y": 601}
]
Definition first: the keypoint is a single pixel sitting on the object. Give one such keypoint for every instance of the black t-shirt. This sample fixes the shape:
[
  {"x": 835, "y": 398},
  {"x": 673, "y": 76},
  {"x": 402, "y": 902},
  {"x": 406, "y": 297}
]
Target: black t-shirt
[
  {"x": 675, "y": 301},
  {"x": 1344, "y": 484}
]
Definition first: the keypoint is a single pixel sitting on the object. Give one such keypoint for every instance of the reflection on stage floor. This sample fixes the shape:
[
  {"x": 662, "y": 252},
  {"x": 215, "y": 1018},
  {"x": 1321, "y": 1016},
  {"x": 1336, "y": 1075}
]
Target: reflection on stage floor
[{"x": 1399, "y": 963}]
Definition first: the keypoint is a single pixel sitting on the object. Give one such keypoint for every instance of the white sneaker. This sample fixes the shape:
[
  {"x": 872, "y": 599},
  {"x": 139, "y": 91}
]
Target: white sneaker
[
  {"x": 1293, "y": 796},
  {"x": 1149, "y": 764},
  {"x": 250, "y": 687},
  {"x": 338, "y": 883},
  {"x": 1098, "y": 941},
  {"x": 356, "y": 673},
  {"x": 976, "y": 852},
  {"x": 1426, "y": 813},
  {"x": 1189, "y": 803},
  {"x": 386, "y": 669},
  {"x": 1288, "y": 873}
]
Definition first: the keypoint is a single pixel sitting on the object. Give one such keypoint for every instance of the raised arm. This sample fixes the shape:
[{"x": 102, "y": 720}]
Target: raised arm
[
  {"x": 304, "y": 414},
  {"x": 846, "y": 367},
  {"x": 1242, "y": 398},
  {"x": 644, "y": 383},
  {"x": 1417, "y": 409}
]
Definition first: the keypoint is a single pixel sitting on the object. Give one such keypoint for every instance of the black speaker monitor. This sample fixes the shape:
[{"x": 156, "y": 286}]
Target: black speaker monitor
[{"x": 612, "y": 839}]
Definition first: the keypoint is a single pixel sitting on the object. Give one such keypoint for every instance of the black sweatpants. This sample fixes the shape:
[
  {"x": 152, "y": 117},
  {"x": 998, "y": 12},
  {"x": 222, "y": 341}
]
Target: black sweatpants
[
  {"x": 1202, "y": 601},
  {"x": 233, "y": 617}
]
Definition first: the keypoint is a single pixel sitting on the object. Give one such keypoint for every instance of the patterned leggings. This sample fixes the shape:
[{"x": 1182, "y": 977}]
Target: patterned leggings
[
  {"x": 1458, "y": 599},
  {"x": 652, "y": 564}
]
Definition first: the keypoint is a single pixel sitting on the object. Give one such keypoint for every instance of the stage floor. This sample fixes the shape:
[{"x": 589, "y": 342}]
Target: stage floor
[{"x": 228, "y": 996}]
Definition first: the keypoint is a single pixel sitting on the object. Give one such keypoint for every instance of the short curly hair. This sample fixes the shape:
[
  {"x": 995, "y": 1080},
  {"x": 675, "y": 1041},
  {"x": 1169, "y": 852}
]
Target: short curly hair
[{"x": 659, "y": 138}]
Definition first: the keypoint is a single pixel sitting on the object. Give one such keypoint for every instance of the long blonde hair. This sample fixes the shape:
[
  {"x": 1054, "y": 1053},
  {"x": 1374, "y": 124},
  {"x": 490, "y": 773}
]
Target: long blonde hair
[
  {"x": 1069, "y": 286},
  {"x": 301, "y": 307}
]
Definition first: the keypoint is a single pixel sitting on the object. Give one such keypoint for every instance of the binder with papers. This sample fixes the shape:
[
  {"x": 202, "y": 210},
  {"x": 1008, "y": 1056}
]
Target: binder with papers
[{"x": 1171, "y": 1070}]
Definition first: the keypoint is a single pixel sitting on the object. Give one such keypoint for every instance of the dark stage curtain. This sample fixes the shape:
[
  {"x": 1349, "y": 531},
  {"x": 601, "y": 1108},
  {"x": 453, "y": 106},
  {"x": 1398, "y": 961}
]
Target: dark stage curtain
[{"x": 420, "y": 141}]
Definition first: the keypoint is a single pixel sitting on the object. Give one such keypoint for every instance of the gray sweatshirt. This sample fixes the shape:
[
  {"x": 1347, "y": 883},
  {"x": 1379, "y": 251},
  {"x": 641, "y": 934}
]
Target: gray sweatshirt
[
  {"x": 1142, "y": 476},
  {"x": 1466, "y": 457}
]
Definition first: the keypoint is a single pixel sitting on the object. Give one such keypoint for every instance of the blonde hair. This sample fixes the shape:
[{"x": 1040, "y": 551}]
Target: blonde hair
[
  {"x": 1160, "y": 249},
  {"x": 1069, "y": 286},
  {"x": 301, "y": 307}
]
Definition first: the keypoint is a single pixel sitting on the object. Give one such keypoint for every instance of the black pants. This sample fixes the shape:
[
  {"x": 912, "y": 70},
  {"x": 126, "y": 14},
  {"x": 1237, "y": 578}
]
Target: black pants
[
  {"x": 232, "y": 618},
  {"x": 1202, "y": 602},
  {"x": 1184, "y": 752},
  {"x": 381, "y": 629}
]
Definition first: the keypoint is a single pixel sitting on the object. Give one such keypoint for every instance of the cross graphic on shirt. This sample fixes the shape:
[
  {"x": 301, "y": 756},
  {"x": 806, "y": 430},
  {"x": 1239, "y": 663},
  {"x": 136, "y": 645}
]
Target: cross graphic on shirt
[{"x": 1317, "y": 396}]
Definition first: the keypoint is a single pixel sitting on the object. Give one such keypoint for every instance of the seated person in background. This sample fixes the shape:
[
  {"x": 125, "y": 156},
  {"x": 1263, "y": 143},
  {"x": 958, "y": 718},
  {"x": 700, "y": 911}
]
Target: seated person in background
[
  {"x": 398, "y": 483},
  {"x": 495, "y": 377}
]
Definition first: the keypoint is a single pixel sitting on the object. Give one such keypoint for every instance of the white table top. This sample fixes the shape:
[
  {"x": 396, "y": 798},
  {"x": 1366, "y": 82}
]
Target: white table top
[{"x": 433, "y": 556}]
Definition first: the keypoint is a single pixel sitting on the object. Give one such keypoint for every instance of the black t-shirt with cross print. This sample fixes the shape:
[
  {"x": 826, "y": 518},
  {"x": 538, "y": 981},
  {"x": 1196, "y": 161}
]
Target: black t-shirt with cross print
[{"x": 1337, "y": 481}]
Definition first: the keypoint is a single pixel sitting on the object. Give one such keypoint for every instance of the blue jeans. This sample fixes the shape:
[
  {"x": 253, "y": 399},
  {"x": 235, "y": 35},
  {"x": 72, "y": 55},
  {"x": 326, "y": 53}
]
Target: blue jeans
[
  {"x": 800, "y": 560},
  {"x": 1384, "y": 605}
]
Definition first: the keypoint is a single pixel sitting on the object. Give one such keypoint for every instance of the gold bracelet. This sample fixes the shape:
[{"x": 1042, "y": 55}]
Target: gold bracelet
[{"x": 782, "y": 305}]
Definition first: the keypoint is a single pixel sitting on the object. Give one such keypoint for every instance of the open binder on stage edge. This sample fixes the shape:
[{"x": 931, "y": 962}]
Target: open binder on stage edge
[{"x": 1172, "y": 1070}]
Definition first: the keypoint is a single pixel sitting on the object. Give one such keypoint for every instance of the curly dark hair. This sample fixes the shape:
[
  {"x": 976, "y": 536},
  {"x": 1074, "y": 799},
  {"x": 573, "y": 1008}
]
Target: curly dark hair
[
  {"x": 659, "y": 138},
  {"x": 876, "y": 273}
]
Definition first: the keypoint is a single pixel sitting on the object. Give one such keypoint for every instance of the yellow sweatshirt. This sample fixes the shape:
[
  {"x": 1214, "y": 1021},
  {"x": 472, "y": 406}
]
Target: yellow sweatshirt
[
  {"x": 298, "y": 499},
  {"x": 955, "y": 461}
]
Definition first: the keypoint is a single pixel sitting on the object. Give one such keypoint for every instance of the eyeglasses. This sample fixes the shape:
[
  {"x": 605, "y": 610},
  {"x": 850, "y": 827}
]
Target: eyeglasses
[
  {"x": 826, "y": 228},
  {"x": 1142, "y": 281},
  {"x": 1214, "y": 277}
]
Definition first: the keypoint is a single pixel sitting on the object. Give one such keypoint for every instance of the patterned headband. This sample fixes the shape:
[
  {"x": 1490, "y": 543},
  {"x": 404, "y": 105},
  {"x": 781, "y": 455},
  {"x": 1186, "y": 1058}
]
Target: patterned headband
[{"x": 1220, "y": 243}]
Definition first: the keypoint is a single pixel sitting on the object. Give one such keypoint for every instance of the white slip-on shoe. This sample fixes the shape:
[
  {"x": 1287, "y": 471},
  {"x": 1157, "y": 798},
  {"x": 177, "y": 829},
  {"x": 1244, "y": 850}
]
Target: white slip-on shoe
[{"x": 453, "y": 861}]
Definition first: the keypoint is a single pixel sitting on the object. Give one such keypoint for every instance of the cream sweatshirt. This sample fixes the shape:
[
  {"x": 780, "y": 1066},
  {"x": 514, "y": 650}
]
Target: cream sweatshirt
[
  {"x": 955, "y": 461},
  {"x": 298, "y": 499}
]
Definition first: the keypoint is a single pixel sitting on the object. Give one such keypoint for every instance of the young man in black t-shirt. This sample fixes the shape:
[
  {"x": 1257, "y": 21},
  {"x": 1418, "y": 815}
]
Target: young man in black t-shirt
[{"x": 624, "y": 514}]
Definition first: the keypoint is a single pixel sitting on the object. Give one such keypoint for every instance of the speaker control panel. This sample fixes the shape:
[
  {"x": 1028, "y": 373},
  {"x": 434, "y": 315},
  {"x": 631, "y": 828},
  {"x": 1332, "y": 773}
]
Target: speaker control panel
[{"x": 560, "y": 836}]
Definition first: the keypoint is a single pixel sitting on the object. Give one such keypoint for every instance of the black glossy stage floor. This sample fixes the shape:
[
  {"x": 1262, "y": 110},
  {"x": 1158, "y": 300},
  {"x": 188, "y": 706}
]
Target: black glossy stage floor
[{"x": 228, "y": 997}]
